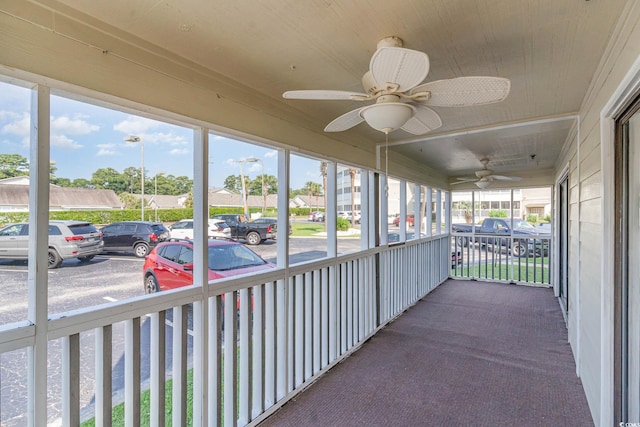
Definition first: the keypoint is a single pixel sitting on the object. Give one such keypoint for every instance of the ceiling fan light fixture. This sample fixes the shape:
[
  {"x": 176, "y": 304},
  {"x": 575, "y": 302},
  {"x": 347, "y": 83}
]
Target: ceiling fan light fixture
[
  {"x": 387, "y": 117},
  {"x": 483, "y": 184}
]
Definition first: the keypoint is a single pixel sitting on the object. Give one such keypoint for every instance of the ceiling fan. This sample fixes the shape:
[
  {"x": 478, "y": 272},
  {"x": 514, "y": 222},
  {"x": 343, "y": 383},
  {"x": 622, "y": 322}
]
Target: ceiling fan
[
  {"x": 485, "y": 177},
  {"x": 401, "y": 102}
]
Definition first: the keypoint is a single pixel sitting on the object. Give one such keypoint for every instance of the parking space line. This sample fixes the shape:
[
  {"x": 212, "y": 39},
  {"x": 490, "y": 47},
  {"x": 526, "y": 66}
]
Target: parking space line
[
  {"x": 170, "y": 324},
  {"x": 110, "y": 299}
]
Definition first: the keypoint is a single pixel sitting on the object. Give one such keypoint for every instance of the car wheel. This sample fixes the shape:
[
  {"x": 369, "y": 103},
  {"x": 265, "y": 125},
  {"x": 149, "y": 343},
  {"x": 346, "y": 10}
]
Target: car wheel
[
  {"x": 141, "y": 250},
  {"x": 150, "y": 284},
  {"x": 86, "y": 258},
  {"x": 54, "y": 259},
  {"x": 519, "y": 250},
  {"x": 253, "y": 238}
]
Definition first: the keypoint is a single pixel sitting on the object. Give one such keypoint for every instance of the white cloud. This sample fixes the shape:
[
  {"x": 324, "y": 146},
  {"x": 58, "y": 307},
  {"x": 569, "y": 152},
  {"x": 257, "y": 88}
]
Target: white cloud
[
  {"x": 19, "y": 126},
  {"x": 133, "y": 125},
  {"x": 179, "y": 151},
  {"x": 62, "y": 141},
  {"x": 271, "y": 154},
  {"x": 166, "y": 138},
  {"x": 64, "y": 125},
  {"x": 254, "y": 167},
  {"x": 106, "y": 150}
]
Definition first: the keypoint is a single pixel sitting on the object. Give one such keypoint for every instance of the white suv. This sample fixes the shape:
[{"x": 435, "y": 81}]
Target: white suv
[
  {"x": 183, "y": 229},
  {"x": 67, "y": 239}
]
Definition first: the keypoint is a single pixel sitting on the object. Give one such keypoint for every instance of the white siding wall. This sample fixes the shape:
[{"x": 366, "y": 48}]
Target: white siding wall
[{"x": 589, "y": 308}]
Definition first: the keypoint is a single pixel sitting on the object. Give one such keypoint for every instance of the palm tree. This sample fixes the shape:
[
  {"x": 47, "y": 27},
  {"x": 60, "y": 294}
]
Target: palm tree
[{"x": 352, "y": 173}]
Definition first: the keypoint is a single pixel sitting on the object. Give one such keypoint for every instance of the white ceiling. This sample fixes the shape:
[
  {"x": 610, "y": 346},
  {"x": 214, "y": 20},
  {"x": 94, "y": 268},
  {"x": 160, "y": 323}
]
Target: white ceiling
[{"x": 549, "y": 49}]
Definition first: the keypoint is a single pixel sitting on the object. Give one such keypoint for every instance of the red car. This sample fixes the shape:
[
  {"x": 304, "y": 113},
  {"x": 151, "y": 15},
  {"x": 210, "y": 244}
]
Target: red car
[
  {"x": 170, "y": 264},
  {"x": 410, "y": 221}
]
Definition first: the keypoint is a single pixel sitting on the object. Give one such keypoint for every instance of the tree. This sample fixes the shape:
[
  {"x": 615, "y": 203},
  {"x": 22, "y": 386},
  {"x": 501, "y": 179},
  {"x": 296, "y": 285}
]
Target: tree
[
  {"x": 81, "y": 183},
  {"x": 110, "y": 179},
  {"x": 130, "y": 201},
  {"x": 13, "y": 165},
  {"x": 233, "y": 183}
]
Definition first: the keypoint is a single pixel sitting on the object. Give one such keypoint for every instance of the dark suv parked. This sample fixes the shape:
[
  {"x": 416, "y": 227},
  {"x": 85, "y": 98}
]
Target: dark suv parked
[{"x": 136, "y": 236}]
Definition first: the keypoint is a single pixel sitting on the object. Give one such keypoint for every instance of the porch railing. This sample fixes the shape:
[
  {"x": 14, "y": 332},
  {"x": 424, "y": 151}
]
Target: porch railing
[
  {"x": 231, "y": 352},
  {"x": 514, "y": 259}
]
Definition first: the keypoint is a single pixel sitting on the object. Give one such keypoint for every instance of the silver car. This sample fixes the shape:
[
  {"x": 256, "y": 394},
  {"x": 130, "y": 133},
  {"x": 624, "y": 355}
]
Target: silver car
[{"x": 67, "y": 239}]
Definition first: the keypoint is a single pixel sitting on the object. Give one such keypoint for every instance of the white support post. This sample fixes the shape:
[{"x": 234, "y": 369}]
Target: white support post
[
  {"x": 371, "y": 203},
  {"x": 365, "y": 210},
  {"x": 332, "y": 208},
  {"x": 384, "y": 210},
  {"x": 200, "y": 273},
  {"x": 37, "y": 283},
  {"x": 284, "y": 161},
  {"x": 402, "y": 225},
  {"x": 417, "y": 212},
  {"x": 447, "y": 212},
  {"x": 132, "y": 372},
  {"x": 438, "y": 212},
  {"x": 429, "y": 211},
  {"x": 103, "y": 360}
]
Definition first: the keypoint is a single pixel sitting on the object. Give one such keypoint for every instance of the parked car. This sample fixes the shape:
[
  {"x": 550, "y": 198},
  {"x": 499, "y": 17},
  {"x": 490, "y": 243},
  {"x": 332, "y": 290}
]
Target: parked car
[
  {"x": 497, "y": 232},
  {"x": 170, "y": 264},
  {"x": 410, "y": 220},
  {"x": 67, "y": 239},
  {"x": 273, "y": 222},
  {"x": 252, "y": 232},
  {"x": 183, "y": 229},
  {"x": 133, "y": 236},
  {"x": 356, "y": 215},
  {"x": 316, "y": 216}
]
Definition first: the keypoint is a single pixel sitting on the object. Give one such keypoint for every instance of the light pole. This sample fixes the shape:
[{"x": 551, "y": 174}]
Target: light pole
[
  {"x": 133, "y": 138},
  {"x": 264, "y": 196},
  {"x": 244, "y": 188},
  {"x": 155, "y": 197}
]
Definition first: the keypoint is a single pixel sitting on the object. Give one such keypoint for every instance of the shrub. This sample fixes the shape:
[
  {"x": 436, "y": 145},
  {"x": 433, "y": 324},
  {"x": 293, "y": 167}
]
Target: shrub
[
  {"x": 532, "y": 218},
  {"x": 498, "y": 213},
  {"x": 343, "y": 224}
]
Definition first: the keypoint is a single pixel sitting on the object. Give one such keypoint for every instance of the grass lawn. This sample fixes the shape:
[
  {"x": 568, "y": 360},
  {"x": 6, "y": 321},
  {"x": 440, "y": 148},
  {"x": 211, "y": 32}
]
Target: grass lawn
[
  {"x": 519, "y": 272},
  {"x": 117, "y": 414},
  {"x": 305, "y": 229}
]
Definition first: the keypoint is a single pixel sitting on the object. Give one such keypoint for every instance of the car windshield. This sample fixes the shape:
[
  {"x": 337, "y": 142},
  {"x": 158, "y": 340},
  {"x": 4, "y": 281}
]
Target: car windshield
[
  {"x": 232, "y": 257},
  {"x": 159, "y": 228},
  {"x": 523, "y": 225},
  {"x": 82, "y": 228}
]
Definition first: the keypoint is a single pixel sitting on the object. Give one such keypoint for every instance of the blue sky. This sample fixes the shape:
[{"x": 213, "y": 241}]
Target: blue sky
[{"x": 85, "y": 137}]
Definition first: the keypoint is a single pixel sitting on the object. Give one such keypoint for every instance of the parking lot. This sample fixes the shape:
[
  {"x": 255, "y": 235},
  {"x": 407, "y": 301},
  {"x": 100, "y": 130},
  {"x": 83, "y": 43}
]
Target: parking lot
[{"x": 74, "y": 285}]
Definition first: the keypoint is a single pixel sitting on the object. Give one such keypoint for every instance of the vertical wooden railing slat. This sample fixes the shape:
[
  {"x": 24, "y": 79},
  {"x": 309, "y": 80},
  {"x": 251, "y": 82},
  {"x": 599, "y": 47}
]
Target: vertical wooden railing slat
[
  {"x": 103, "y": 344},
  {"x": 132, "y": 372},
  {"x": 158, "y": 368},
  {"x": 71, "y": 380}
]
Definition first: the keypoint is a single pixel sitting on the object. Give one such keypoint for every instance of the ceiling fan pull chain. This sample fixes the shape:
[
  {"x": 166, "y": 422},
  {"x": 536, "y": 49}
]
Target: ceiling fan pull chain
[{"x": 386, "y": 165}]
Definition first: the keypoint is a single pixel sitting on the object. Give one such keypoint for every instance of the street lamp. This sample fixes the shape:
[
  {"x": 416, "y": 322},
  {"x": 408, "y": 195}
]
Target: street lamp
[
  {"x": 264, "y": 196},
  {"x": 133, "y": 138},
  {"x": 244, "y": 189},
  {"x": 155, "y": 197}
]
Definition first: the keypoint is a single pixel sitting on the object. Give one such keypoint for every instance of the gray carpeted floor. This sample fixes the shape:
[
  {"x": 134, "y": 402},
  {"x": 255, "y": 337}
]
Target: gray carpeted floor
[{"x": 468, "y": 354}]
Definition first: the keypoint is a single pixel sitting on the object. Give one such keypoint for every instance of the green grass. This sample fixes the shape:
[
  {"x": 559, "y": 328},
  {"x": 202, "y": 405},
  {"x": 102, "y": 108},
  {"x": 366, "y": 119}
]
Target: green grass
[
  {"x": 118, "y": 411},
  {"x": 518, "y": 272},
  {"x": 306, "y": 230}
]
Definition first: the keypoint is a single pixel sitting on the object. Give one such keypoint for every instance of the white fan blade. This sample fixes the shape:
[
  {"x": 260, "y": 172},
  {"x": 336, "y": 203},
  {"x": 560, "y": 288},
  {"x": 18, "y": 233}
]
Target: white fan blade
[
  {"x": 505, "y": 178},
  {"x": 404, "y": 67},
  {"x": 345, "y": 121},
  {"x": 465, "y": 91},
  {"x": 325, "y": 95},
  {"x": 424, "y": 120}
]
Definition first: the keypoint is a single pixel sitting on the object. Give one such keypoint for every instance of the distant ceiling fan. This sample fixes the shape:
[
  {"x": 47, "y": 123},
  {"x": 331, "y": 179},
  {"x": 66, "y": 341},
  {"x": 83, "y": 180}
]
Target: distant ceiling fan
[
  {"x": 401, "y": 102},
  {"x": 485, "y": 177}
]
